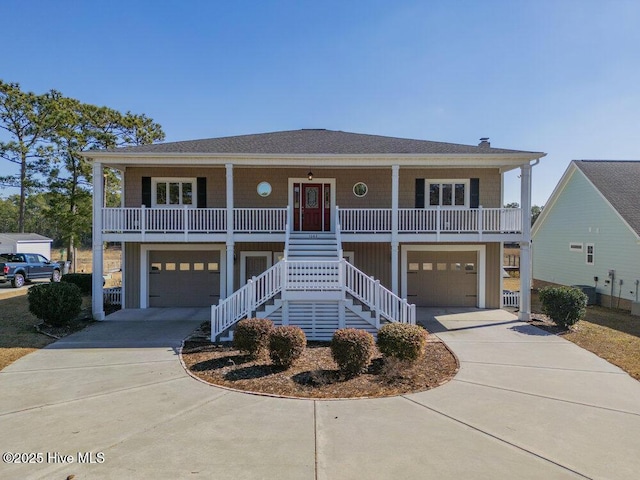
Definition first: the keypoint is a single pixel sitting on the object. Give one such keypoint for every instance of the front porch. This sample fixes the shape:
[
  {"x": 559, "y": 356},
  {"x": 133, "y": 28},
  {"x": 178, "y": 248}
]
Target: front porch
[{"x": 215, "y": 224}]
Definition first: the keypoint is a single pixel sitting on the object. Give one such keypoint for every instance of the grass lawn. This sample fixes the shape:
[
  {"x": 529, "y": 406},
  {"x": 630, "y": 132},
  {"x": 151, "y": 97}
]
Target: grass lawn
[
  {"x": 611, "y": 334},
  {"x": 18, "y": 336}
]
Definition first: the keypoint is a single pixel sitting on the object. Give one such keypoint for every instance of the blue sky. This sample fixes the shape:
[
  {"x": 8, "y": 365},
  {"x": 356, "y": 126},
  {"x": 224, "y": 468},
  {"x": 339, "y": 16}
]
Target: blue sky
[{"x": 559, "y": 76}]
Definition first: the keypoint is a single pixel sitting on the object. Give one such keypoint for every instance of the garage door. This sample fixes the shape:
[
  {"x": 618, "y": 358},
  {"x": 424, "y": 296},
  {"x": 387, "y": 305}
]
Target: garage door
[
  {"x": 442, "y": 279},
  {"x": 184, "y": 279}
]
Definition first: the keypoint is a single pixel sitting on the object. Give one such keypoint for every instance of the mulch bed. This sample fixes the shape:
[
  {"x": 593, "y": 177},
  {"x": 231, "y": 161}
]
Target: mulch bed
[
  {"x": 315, "y": 374},
  {"x": 543, "y": 322}
]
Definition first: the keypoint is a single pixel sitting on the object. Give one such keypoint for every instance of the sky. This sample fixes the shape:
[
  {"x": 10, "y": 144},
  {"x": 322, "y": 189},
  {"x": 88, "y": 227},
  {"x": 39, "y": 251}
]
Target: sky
[{"x": 557, "y": 76}]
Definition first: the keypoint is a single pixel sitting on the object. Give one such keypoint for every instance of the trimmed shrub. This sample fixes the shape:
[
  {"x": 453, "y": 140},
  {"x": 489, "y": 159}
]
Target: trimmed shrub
[
  {"x": 402, "y": 341},
  {"x": 56, "y": 304},
  {"x": 252, "y": 335},
  {"x": 565, "y": 305},
  {"x": 352, "y": 350},
  {"x": 286, "y": 344},
  {"x": 82, "y": 280}
]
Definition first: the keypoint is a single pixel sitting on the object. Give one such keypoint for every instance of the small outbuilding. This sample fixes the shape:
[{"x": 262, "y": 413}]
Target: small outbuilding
[{"x": 25, "y": 243}]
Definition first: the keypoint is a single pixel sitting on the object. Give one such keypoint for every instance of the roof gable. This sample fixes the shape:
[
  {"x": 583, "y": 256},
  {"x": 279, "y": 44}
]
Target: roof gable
[
  {"x": 619, "y": 183},
  {"x": 315, "y": 141}
]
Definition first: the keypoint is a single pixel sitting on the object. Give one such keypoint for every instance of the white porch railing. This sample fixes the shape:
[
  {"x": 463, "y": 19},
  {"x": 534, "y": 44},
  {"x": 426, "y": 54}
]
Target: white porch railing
[
  {"x": 178, "y": 220},
  {"x": 245, "y": 300},
  {"x": 437, "y": 220},
  {"x": 510, "y": 299},
  {"x": 112, "y": 296},
  {"x": 381, "y": 301},
  {"x": 259, "y": 219},
  {"x": 310, "y": 276}
]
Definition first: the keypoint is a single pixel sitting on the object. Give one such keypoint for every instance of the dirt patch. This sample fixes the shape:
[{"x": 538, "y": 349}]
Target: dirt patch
[{"x": 315, "y": 374}]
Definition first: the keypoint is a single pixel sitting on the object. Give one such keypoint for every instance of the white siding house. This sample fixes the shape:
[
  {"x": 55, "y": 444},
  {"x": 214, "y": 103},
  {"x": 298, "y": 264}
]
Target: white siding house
[
  {"x": 25, "y": 243},
  {"x": 589, "y": 232}
]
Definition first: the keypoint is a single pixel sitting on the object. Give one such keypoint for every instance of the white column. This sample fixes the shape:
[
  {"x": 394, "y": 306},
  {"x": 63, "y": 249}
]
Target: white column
[
  {"x": 395, "y": 188},
  {"x": 525, "y": 244},
  {"x": 97, "y": 302},
  {"x": 230, "y": 239}
]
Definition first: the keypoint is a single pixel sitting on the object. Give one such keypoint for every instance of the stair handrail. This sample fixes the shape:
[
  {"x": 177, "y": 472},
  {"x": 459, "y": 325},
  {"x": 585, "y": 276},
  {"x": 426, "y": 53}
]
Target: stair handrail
[
  {"x": 246, "y": 299},
  {"x": 382, "y": 301},
  {"x": 338, "y": 234},
  {"x": 287, "y": 231}
]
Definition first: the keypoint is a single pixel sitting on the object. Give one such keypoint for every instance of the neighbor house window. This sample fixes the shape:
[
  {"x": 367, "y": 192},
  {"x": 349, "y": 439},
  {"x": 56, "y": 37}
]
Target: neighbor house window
[
  {"x": 591, "y": 255},
  {"x": 174, "y": 192},
  {"x": 448, "y": 193}
]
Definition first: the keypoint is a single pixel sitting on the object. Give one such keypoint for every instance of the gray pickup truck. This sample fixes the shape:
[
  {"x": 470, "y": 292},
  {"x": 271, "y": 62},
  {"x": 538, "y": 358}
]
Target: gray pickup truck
[{"x": 19, "y": 268}]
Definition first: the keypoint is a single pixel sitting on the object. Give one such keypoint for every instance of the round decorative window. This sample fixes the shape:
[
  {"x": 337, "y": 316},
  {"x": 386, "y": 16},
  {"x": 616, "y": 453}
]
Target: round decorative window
[
  {"x": 360, "y": 189},
  {"x": 264, "y": 189}
]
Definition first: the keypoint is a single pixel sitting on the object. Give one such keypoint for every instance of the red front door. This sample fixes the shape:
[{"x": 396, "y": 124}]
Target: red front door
[{"x": 312, "y": 203}]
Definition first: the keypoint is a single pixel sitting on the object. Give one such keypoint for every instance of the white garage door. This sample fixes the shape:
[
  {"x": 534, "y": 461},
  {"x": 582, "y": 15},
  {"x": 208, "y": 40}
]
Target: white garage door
[
  {"x": 184, "y": 279},
  {"x": 442, "y": 279}
]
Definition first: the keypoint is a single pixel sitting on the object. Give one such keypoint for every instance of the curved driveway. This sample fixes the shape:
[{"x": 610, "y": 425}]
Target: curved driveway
[{"x": 524, "y": 405}]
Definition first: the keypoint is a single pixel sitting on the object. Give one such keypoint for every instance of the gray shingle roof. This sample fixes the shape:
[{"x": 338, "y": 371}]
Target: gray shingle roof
[
  {"x": 25, "y": 237},
  {"x": 314, "y": 141},
  {"x": 619, "y": 182}
]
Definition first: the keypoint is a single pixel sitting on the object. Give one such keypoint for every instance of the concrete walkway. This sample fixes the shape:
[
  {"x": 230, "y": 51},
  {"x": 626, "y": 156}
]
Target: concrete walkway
[{"x": 524, "y": 405}]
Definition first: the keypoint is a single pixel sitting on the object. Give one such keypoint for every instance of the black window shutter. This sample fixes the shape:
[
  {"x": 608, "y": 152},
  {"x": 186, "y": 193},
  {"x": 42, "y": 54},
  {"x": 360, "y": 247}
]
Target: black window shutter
[
  {"x": 146, "y": 191},
  {"x": 202, "y": 192},
  {"x": 474, "y": 195},
  {"x": 419, "y": 192}
]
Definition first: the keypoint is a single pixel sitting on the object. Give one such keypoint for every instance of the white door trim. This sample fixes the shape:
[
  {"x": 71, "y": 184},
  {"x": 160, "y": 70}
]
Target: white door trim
[
  {"x": 243, "y": 262},
  {"x": 482, "y": 255},
  {"x": 145, "y": 248},
  {"x": 330, "y": 181}
]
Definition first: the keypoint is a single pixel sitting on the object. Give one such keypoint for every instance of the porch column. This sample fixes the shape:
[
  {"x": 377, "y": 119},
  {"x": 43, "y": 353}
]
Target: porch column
[
  {"x": 230, "y": 229},
  {"x": 97, "y": 302},
  {"x": 395, "y": 188},
  {"x": 525, "y": 244}
]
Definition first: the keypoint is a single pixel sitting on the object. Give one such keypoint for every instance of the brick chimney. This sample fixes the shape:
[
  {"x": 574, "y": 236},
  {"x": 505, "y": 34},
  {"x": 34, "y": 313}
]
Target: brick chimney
[{"x": 484, "y": 142}]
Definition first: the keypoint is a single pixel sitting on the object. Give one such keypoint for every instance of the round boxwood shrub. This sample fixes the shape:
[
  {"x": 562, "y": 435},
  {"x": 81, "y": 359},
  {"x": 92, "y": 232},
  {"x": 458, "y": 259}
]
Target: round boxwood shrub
[
  {"x": 565, "y": 305},
  {"x": 252, "y": 335},
  {"x": 286, "y": 344},
  {"x": 352, "y": 350},
  {"x": 56, "y": 304},
  {"x": 402, "y": 341},
  {"x": 82, "y": 280}
]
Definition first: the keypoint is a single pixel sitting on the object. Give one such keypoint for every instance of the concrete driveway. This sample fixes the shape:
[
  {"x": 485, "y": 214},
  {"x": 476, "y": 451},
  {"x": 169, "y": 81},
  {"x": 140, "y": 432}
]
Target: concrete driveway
[{"x": 524, "y": 405}]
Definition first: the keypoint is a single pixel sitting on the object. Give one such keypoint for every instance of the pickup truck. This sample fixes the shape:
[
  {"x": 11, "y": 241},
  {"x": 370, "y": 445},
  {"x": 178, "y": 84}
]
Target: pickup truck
[{"x": 19, "y": 268}]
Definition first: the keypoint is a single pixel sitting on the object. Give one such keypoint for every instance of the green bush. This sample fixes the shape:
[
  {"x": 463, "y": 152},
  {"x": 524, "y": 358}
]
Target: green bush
[
  {"x": 82, "y": 280},
  {"x": 565, "y": 305},
  {"x": 352, "y": 350},
  {"x": 286, "y": 344},
  {"x": 56, "y": 304},
  {"x": 402, "y": 341},
  {"x": 252, "y": 335}
]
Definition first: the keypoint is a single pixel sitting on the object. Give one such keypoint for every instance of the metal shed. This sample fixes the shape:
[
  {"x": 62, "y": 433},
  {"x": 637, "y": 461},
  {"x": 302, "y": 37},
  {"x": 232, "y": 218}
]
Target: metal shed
[{"x": 25, "y": 243}]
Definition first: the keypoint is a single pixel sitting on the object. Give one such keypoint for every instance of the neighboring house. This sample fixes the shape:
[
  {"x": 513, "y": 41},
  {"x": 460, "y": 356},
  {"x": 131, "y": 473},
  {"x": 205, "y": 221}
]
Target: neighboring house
[
  {"x": 25, "y": 243},
  {"x": 418, "y": 222},
  {"x": 589, "y": 231}
]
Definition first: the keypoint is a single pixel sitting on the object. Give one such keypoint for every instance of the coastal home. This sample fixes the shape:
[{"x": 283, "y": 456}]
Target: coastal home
[
  {"x": 589, "y": 232},
  {"x": 320, "y": 228}
]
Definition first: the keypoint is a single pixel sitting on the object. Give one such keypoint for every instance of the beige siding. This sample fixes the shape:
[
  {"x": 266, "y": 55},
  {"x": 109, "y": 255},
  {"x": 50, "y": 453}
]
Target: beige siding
[
  {"x": 378, "y": 182},
  {"x": 216, "y": 182},
  {"x": 494, "y": 271},
  {"x": 490, "y": 183},
  {"x": 132, "y": 275},
  {"x": 374, "y": 259}
]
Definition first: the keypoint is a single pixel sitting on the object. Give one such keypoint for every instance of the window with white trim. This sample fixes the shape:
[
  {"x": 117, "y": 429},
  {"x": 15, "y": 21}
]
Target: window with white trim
[
  {"x": 591, "y": 254},
  {"x": 174, "y": 192},
  {"x": 447, "y": 193}
]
